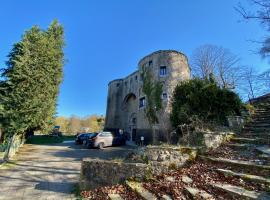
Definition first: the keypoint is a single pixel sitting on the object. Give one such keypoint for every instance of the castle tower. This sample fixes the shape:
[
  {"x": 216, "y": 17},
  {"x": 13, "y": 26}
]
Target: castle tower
[{"x": 126, "y": 102}]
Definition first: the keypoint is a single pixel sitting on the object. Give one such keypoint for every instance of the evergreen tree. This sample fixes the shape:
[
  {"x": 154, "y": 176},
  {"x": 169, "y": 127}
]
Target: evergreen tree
[{"x": 31, "y": 80}]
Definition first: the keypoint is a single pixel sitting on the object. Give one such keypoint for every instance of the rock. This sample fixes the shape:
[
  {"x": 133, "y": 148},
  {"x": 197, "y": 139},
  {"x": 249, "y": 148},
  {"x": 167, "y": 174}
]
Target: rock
[
  {"x": 186, "y": 179},
  {"x": 137, "y": 187},
  {"x": 170, "y": 178}
]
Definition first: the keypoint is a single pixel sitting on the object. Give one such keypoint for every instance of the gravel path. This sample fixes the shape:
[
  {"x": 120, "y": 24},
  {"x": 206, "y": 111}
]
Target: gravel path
[{"x": 49, "y": 171}]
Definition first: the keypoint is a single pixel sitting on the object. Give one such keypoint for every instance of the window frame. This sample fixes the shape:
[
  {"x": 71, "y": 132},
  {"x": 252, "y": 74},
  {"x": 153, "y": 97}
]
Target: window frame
[
  {"x": 163, "y": 71},
  {"x": 143, "y": 100}
]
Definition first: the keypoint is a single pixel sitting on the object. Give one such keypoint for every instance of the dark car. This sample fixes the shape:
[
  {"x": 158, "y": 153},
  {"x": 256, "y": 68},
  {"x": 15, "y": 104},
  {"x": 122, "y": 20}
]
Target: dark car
[
  {"x": 105, "y": 139},
  {"x": 82, "y": 138}
]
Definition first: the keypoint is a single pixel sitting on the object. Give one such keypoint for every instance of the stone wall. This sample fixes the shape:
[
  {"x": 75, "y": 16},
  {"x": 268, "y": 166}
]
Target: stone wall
[
  {"x": 96, "y": 172},
  {"x": 140, "y": 164},
  {"x": 206, "y": 140},
  {"x": 165, "y": 158},
  {"x": 15, "y": 143}
]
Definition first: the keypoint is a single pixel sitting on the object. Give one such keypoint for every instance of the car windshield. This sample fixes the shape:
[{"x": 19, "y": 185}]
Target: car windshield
[{"x": 91, "y": 135}]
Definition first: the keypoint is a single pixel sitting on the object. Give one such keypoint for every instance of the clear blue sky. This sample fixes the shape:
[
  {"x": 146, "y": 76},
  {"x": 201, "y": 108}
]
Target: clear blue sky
[{"x": 106, "y": 38}]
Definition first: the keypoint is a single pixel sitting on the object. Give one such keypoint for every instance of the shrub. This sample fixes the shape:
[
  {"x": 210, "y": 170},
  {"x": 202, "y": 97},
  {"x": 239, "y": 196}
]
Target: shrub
[{"x": 203, "y": 99}]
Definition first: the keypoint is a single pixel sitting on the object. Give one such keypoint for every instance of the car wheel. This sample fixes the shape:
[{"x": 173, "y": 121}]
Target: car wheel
[{"x": 101, "y": 145}]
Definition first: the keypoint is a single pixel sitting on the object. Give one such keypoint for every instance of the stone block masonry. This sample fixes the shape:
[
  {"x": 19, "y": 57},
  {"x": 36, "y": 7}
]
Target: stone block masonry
[
  {"x": 126, "y": 101},
  {"x": 96, "y": 173}
]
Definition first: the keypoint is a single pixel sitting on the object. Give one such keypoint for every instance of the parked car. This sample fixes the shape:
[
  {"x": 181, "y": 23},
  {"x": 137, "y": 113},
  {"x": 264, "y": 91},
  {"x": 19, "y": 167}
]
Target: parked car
[
  {"x": 82, "y": 138},
  {"x": 105, "y": 139}
]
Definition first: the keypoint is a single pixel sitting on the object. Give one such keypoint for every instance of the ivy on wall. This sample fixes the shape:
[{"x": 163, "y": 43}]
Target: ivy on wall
[{"x": 152, "y": 90}]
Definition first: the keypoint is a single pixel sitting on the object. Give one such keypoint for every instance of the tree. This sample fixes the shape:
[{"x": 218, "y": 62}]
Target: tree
[
  {"x": 30, "y": 82},
  {"x": 265, "y": 79},
  {"x": 74, "y": 124},
  {"x": 211, "y": 59},
  {"x": 251, "y": 83},
  {"x": 262, "y": 14},
  {"x": 203, "y": 99}
]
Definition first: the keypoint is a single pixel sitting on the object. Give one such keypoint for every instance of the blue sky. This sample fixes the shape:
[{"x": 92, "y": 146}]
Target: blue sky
[{"x": 106, "y": 38}]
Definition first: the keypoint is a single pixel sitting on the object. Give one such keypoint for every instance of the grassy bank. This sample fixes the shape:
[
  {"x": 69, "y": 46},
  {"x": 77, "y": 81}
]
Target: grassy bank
[{"x": 46, "y": 139}]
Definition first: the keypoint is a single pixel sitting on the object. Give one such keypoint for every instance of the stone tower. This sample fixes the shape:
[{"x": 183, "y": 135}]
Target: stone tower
[{"x": 126, "y": 102}]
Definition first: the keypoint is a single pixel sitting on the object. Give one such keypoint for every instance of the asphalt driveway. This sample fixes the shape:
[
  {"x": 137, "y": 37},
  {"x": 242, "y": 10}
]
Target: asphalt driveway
[{"x": 49, "y": 171}]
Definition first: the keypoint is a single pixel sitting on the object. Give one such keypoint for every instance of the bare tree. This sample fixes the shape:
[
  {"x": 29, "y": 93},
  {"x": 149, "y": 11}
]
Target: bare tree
[
  {"x": 250, "y": 78},
  {"x": 262, "y": 14},
  {"x": 265, "y": 79},
  {"x": 211, "y": 59}
]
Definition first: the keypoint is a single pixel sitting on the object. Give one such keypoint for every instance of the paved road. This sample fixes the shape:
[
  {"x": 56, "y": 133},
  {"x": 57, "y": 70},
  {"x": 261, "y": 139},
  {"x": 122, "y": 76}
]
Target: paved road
[{"x": 49, "y": 171}]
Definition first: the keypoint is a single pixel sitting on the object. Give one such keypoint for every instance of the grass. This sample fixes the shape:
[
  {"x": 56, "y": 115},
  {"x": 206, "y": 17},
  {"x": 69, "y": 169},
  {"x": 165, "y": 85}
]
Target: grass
[
  {"x": 46, "y": 139},
  {"x": 8, "y": 164},
  {"x": 76, "y": 191},
  {"x": 43, "y": 139},
  {"x": 68, "y": 137}
]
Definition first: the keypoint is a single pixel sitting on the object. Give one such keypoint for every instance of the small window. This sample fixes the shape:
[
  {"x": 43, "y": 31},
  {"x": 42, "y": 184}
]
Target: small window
[
  {"x": 142, "y": 102},
  {"x": 136, "y": 77},
  {"x": 125, "y": 83},
  {"x": 150, "y": 63},
  {"x": 163, "y": 71},
  {"x": 117, "y": 84},
  {"x": 164, "y": 96}
]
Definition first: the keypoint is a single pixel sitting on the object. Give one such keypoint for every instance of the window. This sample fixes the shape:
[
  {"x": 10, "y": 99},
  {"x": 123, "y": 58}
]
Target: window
[
  {"x": 163, "y": 71},
  {"x": 125, "y": 83},
  {"x": 150, "y": 63},
  {"x": 164, "y": 96},
  {"x": 136, "y": 77},
  {"x": 106, "y": 134},
  {"x": 117, "y": 84},
  {"x": 142, "y": 102}
]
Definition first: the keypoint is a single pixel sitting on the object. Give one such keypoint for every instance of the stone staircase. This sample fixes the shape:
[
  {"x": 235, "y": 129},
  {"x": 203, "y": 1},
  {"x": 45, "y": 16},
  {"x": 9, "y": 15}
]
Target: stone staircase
[{"x": 239, "y": 169}]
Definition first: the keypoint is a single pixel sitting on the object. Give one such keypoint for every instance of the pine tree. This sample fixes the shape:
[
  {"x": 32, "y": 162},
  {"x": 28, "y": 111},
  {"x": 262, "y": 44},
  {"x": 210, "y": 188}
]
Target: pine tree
[{"x": 31, "y": 80}]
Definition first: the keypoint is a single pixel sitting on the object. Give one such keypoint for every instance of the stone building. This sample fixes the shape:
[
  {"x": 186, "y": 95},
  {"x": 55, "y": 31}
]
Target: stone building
[{"x": 126, "y": 102}]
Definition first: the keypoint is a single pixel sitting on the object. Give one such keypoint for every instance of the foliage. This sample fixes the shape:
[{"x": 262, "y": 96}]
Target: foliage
[
  {"x": 204, "y": 99},
  {"x": 30, "y": 82},
  {"x": 249, "y": 108},
  {"x": 75, "y": 124},
  {"x": 152, "y": 90}
]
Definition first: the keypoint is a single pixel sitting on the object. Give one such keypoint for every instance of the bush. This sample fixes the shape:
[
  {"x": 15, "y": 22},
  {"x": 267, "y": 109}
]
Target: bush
[{"x": 203, "y": 99}]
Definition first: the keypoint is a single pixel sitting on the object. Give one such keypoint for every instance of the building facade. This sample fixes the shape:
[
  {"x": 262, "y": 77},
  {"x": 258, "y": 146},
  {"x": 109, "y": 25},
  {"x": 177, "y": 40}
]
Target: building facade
[{"x": 126, "y": 102}]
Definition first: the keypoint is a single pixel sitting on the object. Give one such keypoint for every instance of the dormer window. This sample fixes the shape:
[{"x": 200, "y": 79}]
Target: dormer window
[{"x": 163, "y": 71}]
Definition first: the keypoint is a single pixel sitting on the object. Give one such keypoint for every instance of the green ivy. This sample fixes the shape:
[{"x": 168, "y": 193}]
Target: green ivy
[{"x": 152, "y": 90}]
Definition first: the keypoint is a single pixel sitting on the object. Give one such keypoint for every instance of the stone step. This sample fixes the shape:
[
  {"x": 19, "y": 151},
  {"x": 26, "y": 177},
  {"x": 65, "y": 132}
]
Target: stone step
[
  {"x": 257, "y": 125},
  {"x": 250, "y": 140},
  {"x": 260, "y": 120},
  {"x": 264, "y": 150},
  {"x": 258, "y": 129},
  {"x": 245, "y": 165},
  {"x": 139, "y": 189},
  {"x": 253, "y": 178},
  {"x": 239, "y": 146},
  {"x": 198, "y": 194},
  {"x": 115, "y": 197},
  {"x": 254, "y": 135},
  {"x": 241, "y": 192}
]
